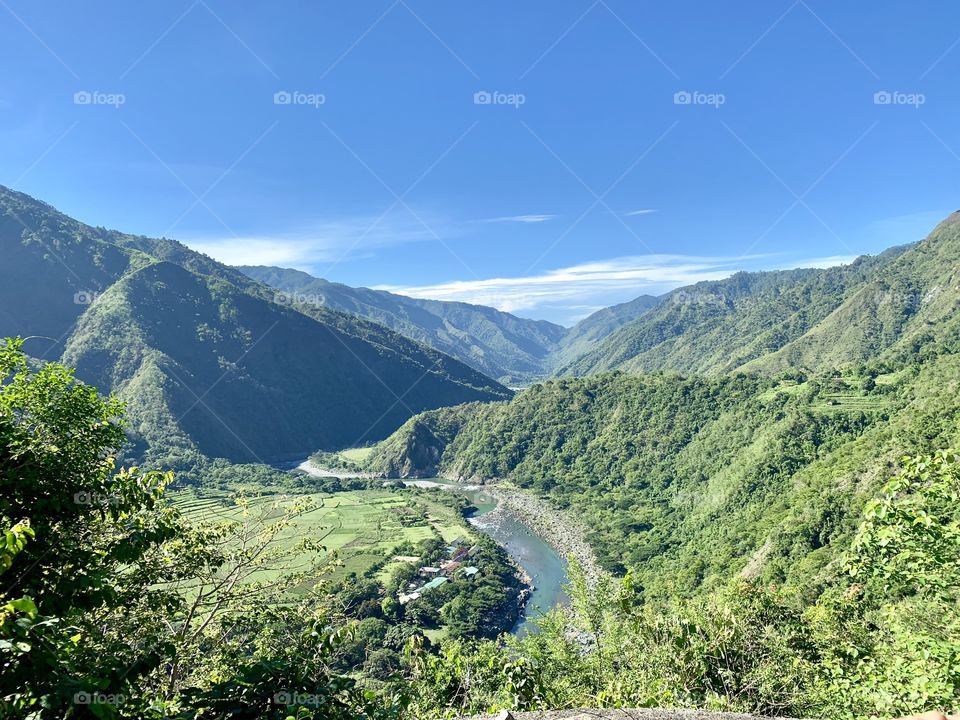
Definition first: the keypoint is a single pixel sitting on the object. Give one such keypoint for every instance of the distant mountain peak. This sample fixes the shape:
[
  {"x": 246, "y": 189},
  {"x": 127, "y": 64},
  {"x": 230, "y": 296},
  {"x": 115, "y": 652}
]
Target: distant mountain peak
[{"x": 504, "y": 346}]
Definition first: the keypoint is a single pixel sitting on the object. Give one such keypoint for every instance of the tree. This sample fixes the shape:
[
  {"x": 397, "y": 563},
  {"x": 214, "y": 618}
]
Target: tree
[
  {"x": 890, "y": 635},
  {"x": 115, "y": 606},
  {"x": 92, "y": 608}
]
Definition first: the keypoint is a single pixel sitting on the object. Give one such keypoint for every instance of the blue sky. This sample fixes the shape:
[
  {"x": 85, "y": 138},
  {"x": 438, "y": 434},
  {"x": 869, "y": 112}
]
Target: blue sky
[{"x": 548, "y": 158}]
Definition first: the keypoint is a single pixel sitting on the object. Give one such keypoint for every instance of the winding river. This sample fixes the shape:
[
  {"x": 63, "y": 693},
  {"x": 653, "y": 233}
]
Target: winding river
[{"x": 545, "y": 568}]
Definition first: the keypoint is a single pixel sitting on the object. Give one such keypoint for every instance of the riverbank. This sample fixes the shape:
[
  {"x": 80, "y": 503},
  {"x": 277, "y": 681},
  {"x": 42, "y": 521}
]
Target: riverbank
[
  {"x": 497, "y": 517},
  {"x": 558, "y": 528},
  {"x": 314, "y": 470}
]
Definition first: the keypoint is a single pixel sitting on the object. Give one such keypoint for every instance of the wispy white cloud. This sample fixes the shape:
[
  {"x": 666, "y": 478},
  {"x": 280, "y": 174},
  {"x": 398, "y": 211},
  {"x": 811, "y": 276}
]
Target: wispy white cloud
[
  {"x": 326, "y": 241},
  {"x": 521, "y": 219},
  {"x": 564, "y": 294},
  {"x": 634, "y": 213},
  {"x": 578, "y": 285}
]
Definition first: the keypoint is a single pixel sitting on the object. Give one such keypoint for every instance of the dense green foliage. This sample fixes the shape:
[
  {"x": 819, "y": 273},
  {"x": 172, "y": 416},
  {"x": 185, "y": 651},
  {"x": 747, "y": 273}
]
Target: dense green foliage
[
  {"x": 416, "y": 448},
  {"x": 114, "y": 606},
  {"x": 89, "y": 571},
  {"x": 689, "y": 481},
  {"x": 882, "y": 640},
  {"x": 209, "y": 363},
  {"x": 482, "y": 606},
  {"x": 503, "y": 346}
]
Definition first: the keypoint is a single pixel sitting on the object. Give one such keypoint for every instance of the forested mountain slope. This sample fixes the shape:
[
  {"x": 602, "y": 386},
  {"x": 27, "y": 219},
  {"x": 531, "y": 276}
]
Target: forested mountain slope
[
  {"x": 689, "y": 481},
  {"x": 912, "y": 307},
  {"x": 586, "y": 334},
  {"x": 208, "y": 362},
  {"x": 717, "y": 326},
  {"x": 498, "y": 344}
]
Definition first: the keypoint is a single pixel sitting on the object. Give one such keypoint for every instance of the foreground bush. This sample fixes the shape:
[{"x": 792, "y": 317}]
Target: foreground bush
[{"x": 882, "y": 641}]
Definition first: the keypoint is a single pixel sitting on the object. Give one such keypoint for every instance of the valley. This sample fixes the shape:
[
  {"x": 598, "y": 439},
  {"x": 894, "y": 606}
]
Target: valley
[
  {"x": 381, "y": 548},
  {"x": 709, "y": 464},
  {"x": 409, "y": 360},
  {"x": 369, "y": 534}
]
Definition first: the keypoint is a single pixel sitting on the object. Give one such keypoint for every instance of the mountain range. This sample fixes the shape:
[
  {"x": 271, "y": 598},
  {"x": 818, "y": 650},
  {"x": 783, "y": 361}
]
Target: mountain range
[
  {"x": 262, "y": 363},
  {"x": 209, "y": 364},
  {"x": 765, "y": 322},
  {"x": 876, "y": 307},
  {"x": 514, "y": 350},
  {"x": 746, "y": 423}
]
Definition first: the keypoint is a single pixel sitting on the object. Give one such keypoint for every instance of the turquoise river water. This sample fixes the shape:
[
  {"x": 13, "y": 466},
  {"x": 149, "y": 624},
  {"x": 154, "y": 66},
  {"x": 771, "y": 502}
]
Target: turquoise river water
[{"x": 547, "y": 570}]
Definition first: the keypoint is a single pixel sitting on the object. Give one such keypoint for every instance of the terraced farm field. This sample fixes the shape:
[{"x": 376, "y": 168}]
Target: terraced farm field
[
  {"x": 851, "y": 402},
  {"x": 359, "y": 529}
]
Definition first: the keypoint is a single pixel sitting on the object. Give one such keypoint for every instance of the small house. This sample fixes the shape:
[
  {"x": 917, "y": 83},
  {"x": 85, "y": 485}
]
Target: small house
[
  {"x": 458, "y": 553},
  {"x": 449, "y": 567},
  {"x": 433, "y": 584}
]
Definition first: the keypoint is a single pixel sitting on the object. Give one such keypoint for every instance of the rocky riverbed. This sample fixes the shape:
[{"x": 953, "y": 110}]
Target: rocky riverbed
[{"x": 558, "y": 528}]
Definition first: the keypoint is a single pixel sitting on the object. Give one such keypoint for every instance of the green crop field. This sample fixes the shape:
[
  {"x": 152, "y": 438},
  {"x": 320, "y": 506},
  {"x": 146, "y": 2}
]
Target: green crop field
[
  {"x": 359, "y": 529},
  {"x": 851, "y": 402},
  {"x": 356, "y": 455}
]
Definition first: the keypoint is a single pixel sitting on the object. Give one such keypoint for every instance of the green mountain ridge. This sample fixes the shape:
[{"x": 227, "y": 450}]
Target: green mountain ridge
[
  {"x": 586, "y": 334},
  {"x": 690, "y": 481},
  {"x": 498, "y": 344},
  {"x": 210, "y": 365},
  {"x": 913, "y": 303},
  {"x": 714, "y": 327},
  {"x": 769, "y": 322}
]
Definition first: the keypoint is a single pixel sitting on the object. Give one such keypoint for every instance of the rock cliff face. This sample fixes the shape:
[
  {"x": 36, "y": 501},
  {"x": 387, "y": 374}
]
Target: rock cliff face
[{"x": 415, "y": 450}]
